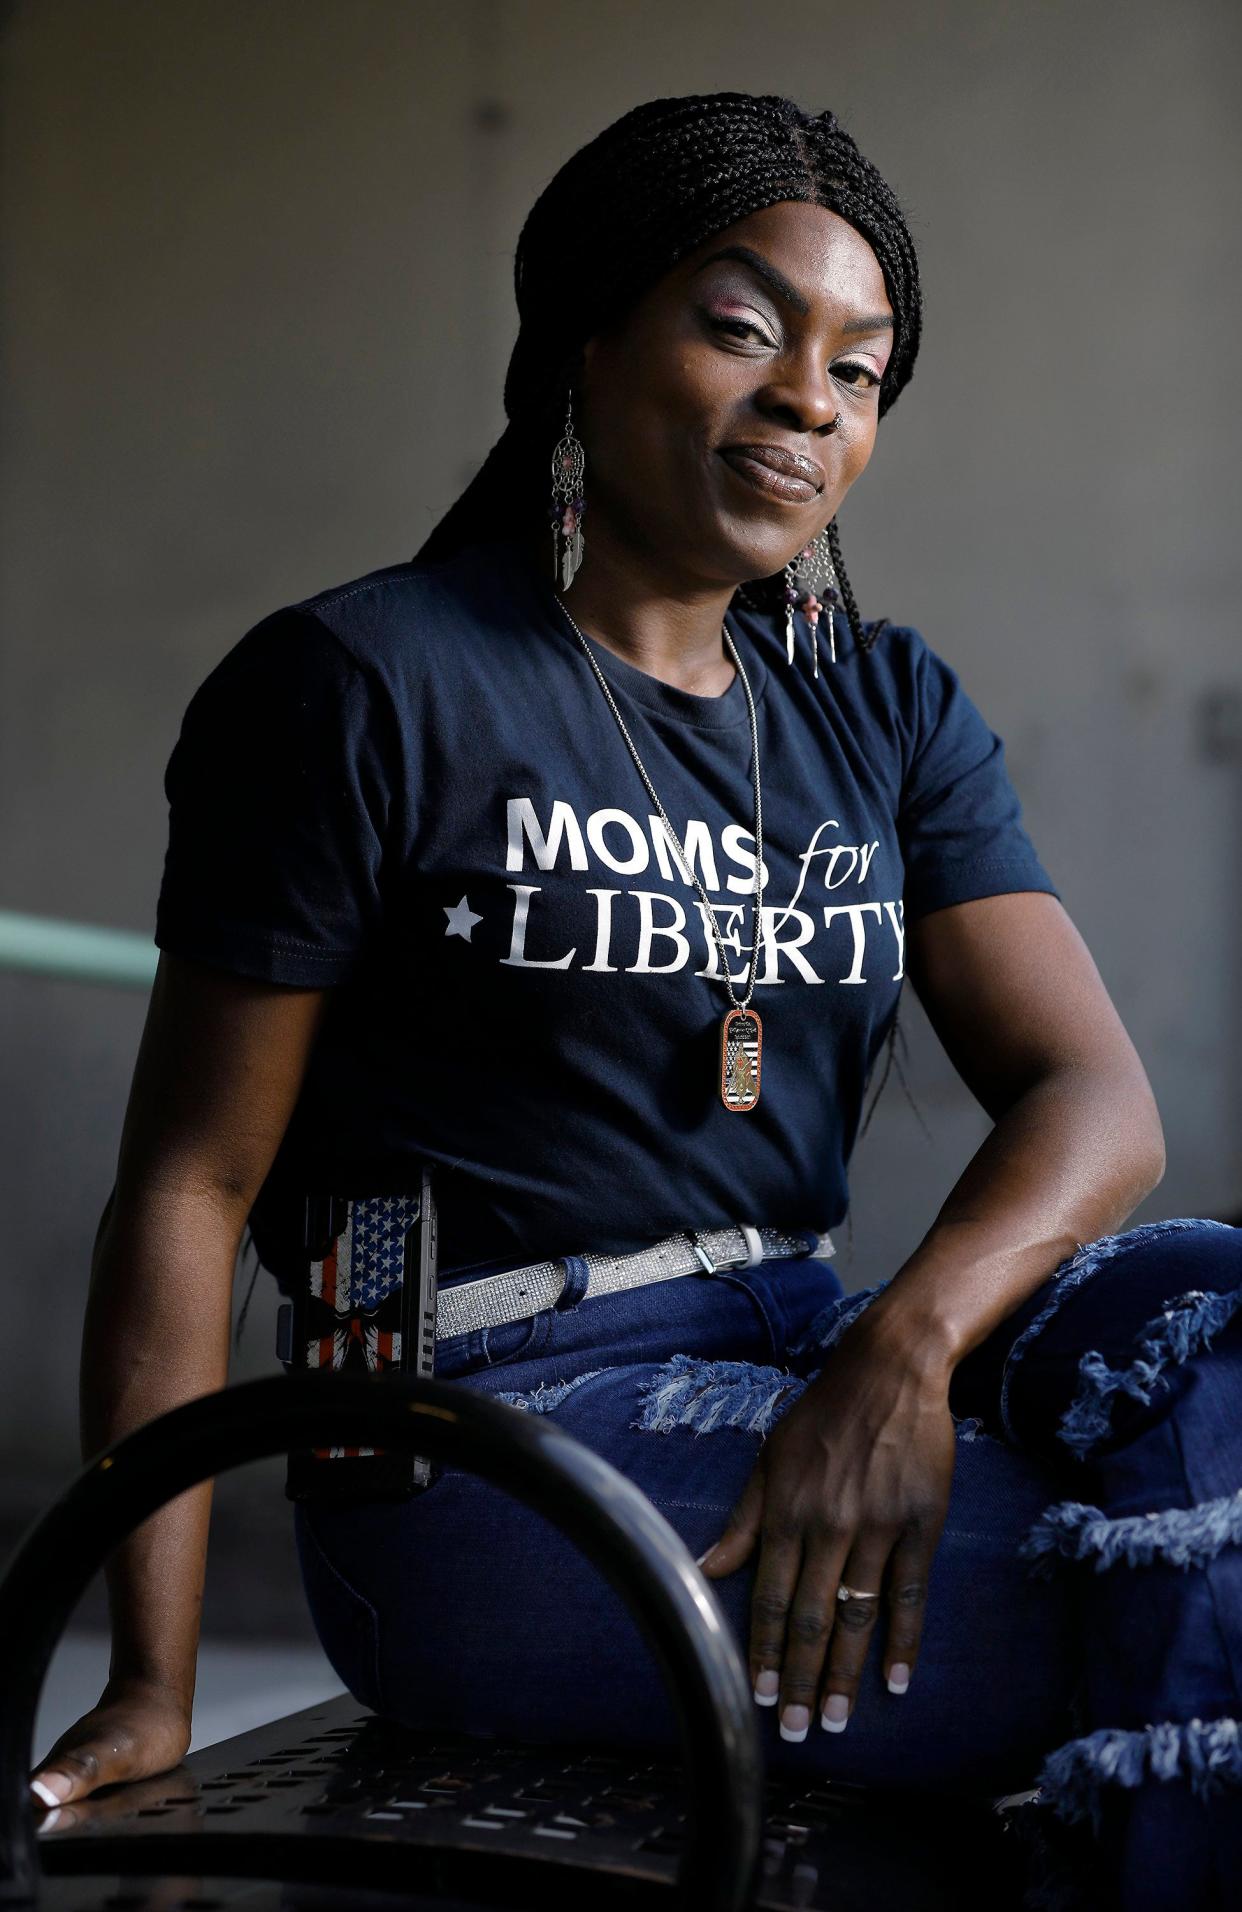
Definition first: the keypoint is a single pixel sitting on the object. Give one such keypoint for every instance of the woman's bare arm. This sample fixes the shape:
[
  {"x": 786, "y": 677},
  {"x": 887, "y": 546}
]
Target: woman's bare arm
[
  {"x": 854, "y": 1484},
  {"x": 219, "y": 1067},
  {"x": 1012, "y": 991}
]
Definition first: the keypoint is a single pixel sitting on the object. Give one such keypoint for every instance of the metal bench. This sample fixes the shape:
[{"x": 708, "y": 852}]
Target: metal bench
[{"x": 335, "y": 1808}]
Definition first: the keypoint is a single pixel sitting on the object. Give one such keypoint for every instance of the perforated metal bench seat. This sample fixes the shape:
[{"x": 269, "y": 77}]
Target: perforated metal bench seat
[
  {"x": 361, "y": 1804},
  {"x": 336, "y": 1809}
]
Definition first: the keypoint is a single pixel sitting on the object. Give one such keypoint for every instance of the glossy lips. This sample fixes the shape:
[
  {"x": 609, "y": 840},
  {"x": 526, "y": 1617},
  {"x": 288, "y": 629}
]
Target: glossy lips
[{"x": 776, "y": 472}]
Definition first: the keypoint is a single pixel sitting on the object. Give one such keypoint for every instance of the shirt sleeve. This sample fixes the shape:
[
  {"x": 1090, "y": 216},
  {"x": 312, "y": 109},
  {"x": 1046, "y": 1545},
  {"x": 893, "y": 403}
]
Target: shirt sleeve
[
  {"x": 278, "y": 794},
  {"x": 960, "y": 820}
]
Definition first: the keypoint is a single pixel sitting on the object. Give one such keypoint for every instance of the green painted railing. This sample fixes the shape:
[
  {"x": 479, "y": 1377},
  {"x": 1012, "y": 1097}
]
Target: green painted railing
[{"x": 76, "y": 952}]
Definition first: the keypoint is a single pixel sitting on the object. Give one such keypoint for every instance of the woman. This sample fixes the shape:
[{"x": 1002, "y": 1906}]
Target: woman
[{"x": 542, "y": 858}]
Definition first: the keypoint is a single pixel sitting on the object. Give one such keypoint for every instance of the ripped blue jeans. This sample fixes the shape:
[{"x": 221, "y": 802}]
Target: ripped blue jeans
[{"x": 1084, "y": 1621}]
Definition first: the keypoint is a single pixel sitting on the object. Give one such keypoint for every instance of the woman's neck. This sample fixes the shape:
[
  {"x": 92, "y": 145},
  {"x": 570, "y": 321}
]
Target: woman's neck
[{"x": 655, "y": 621}]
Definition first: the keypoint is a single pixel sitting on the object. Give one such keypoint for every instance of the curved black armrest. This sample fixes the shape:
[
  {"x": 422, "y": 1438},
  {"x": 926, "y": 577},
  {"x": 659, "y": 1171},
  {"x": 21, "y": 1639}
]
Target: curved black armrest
[{"x": 610, "y": 1518}]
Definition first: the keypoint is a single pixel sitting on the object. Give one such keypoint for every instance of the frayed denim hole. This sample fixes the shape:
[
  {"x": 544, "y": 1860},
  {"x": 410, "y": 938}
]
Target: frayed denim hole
[
  {"x": 1086, "y": 1261},
  {"x": 706, "y": 1395},
  {"x": 1206, "y": 1753},
  {"x": 827, "y": 1327},
  {"x": 548, "y": 1394},
  {"x": 687, "y": 1391},
  {"x": 1182, "y": 1537},
  {"x": 1187, "y": 1324}
]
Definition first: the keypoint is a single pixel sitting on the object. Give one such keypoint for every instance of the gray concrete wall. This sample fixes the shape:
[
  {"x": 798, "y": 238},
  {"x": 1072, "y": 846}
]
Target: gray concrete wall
[{"x": 256, "y": 312}]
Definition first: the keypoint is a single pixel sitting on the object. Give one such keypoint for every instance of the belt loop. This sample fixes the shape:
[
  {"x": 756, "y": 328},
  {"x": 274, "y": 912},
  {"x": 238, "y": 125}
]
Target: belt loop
[
  {"x": 754, "y": 1244},
  {"x": 577, "y": 1281}
]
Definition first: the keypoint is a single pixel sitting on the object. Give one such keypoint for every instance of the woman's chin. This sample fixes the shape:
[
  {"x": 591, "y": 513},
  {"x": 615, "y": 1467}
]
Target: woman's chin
[
  {"x": 727, "y": 548},
  {"x": 754, "y": 546},
  {"x": 749, "y": 559}
]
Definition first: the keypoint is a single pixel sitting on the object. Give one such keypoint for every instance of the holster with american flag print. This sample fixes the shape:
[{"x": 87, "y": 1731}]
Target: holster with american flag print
[{"x": 366, "y": 1303}]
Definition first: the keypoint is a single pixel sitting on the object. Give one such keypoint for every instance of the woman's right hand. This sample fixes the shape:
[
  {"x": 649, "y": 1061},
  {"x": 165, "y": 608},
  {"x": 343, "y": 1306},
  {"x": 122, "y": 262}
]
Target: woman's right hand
[{"x": 135, "y": 1730}]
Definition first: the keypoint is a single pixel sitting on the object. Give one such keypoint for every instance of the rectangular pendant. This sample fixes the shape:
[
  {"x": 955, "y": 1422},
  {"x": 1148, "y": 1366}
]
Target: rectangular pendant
[{"x": 741, "y": 1052}]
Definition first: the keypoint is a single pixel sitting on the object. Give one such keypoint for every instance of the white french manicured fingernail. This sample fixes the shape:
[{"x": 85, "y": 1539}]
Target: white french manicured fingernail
[
  {"x": 794, "y": 1722},
  {"x": 43, "y": 1793},
  {"x": 898, "y": 1677},
  {"x": 767, "y": 1686},
  {"x": 836, "y": 1714},
  {"x": 703, "y": 1556}
]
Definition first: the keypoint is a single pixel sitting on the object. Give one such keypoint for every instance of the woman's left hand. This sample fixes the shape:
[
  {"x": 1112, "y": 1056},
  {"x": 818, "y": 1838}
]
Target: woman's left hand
[{"x": 850, "y": 1488}]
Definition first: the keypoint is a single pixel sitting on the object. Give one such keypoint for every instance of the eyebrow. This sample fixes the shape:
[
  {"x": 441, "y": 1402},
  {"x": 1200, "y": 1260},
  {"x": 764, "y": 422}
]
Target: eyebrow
[{"x": 765, "y": 270}]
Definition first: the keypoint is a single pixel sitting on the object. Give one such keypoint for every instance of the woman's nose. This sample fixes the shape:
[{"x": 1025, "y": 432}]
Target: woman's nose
[{"x": 804, "y": 401}]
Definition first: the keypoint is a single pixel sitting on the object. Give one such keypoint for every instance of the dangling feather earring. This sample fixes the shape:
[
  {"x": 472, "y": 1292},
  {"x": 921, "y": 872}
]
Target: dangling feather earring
[
  {"x": 568, "y": 503},
  {"x": 810, "y": 573}
]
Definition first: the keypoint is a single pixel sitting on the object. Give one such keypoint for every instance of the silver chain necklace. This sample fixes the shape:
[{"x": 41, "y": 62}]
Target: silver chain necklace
[{"x": 741, "y": 1031}]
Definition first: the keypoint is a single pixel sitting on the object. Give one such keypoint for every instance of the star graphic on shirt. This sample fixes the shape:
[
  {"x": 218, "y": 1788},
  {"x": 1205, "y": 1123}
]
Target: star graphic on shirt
[{"x": 461, "y": 919}]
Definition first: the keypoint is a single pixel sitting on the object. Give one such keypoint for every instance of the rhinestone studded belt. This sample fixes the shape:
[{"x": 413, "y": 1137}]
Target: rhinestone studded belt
[{"x": 518, "y": 1292}]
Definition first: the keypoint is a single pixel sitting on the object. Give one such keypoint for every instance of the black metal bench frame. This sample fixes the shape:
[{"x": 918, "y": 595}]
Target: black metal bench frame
[{"x": 339, "y": 1808}]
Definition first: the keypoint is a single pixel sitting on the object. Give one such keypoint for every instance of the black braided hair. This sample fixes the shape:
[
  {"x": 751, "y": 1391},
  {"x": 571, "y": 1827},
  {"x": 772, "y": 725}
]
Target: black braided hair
[{"x": 658, "y": 183}]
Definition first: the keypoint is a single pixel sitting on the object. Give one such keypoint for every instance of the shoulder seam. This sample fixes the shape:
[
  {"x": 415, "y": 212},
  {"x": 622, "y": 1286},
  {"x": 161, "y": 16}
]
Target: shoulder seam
[
  {"x": 401, "y": 573},
  {"x": 316, "y": 604}
]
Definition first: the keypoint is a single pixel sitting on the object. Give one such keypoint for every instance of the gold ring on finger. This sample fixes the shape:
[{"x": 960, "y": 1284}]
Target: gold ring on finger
[{"x": 853, "y": 1593}]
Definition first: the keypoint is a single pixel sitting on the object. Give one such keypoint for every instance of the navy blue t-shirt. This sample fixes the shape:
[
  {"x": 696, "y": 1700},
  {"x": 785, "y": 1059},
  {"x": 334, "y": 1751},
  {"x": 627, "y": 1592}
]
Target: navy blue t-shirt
[{"x": 411, "y": 790}]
